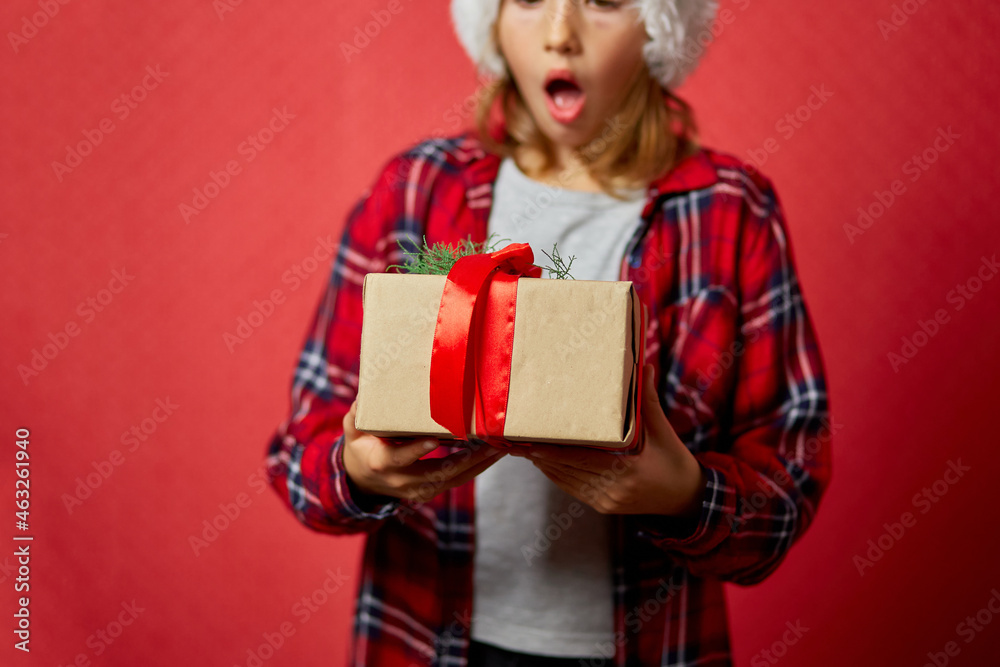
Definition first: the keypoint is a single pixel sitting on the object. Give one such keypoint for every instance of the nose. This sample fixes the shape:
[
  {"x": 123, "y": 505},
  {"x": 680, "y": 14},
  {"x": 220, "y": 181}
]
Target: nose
[{"x": 562, "y": 36}]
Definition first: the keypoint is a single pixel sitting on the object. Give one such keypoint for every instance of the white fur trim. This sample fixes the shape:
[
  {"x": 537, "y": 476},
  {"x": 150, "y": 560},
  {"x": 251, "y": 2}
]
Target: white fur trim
[{"x": 673, "y": 26}]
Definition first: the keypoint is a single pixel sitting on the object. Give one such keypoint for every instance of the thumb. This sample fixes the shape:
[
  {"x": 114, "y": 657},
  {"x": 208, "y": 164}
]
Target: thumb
[
  {"x": 406, "y": 451},
  {"x": 348, "y": 424},
  {"x": 649, "y": 395},
  {"x": 652, "y": 412}
]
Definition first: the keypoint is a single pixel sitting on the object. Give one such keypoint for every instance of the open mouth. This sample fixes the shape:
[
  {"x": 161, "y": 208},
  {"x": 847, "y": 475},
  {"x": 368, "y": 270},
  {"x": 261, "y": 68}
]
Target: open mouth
[{"x": 565, "y": 99}]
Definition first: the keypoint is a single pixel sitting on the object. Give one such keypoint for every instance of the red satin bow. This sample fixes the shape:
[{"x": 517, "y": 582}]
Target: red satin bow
[{"x": 477, "y": 311}]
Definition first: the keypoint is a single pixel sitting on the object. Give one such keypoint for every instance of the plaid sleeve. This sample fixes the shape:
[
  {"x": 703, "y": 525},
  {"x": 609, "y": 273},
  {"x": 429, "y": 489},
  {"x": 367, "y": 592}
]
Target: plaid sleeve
[
  {"x": 764, "y": 483},
  {"x": 305, "y": 457}
]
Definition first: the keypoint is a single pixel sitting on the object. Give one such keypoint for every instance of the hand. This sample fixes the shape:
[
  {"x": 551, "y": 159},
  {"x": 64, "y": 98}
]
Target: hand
[
  {"x": 390, "y": 468},
  {"x": 664, "y": 478}
]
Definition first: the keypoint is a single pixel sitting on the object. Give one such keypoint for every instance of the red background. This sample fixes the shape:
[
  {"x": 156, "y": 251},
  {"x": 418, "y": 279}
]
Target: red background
[{"x": 162, "y": 335}]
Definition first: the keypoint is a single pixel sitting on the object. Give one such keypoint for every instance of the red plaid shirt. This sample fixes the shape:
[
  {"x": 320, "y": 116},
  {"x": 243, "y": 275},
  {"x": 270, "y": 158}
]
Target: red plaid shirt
[{"x": 739, "y": 374}]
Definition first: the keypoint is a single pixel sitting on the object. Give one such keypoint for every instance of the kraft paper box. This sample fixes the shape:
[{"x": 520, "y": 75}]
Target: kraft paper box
[{"x": 574, "y": 370}]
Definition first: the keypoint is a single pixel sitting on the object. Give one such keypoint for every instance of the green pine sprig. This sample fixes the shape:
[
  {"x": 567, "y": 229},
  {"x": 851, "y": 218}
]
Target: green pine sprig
[
  {"x": 440, "y": 257},
  {"x": 560, "y": 267}
]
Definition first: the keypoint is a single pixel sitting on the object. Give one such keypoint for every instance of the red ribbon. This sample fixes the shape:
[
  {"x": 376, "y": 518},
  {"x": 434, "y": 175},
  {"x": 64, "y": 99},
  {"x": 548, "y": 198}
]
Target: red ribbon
[{"x": 477, "y": 311}]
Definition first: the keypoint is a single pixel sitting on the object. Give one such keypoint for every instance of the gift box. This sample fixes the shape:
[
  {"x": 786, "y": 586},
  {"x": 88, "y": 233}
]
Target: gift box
[{"x": 493, "y": 352}]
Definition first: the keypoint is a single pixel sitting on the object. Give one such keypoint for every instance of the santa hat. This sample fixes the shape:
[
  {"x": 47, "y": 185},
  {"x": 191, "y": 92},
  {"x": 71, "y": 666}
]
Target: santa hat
[{"x": 678, "y": 31}]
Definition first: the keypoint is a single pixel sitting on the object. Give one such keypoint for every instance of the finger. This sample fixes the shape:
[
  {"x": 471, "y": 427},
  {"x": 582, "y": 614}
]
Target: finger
[
  {"x": 452, "y": 464},
  {"x": 392, "y": 455},
  {"x": 571, "y": 487},
  {"x": 586, "y": 488},
  {"x": 564, "y": 472},
  {"x": 349, "y": 431},
  {"x": 589, "y": 460},
  {"x": 477, "y": 468},
  {"x": 653, "y": 418},
  {"x": 590, "y": 494}
]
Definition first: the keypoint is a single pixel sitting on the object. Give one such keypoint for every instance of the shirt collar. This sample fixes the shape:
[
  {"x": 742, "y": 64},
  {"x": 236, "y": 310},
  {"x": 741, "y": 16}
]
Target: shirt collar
[{"x": 694, "y": 172}]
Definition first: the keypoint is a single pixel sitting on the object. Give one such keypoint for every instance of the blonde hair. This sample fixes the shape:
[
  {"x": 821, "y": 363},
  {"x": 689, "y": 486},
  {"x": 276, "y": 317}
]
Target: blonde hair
[{"x": 650, "y": 134}]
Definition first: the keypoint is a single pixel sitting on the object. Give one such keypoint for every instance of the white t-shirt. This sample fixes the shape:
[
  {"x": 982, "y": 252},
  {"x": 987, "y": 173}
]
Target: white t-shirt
[{"x": 542, "y": 565}]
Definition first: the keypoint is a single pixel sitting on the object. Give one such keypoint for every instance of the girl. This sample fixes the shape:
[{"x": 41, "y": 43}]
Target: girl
[{"x": 573, "y": 556}]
